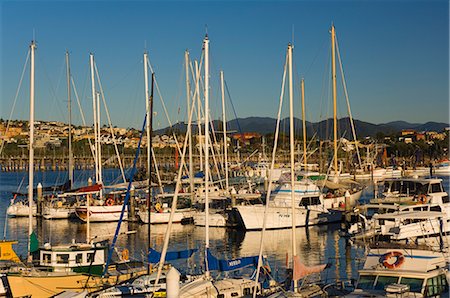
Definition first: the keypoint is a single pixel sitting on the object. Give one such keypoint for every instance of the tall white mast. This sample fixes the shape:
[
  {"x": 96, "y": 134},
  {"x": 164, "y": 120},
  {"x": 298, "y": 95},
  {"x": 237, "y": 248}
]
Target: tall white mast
[
  {"x": 292, "y": 150},
  {"x": 199, "y": 113},
  {"x": 31, "y": 150},
  {"x": 147, "y": 107},
  {"x": 333, "y": 77},
  {"x": 94, "y": 108},
  {"x": 99, "y": 154},
  {"x": 69, "y": 110},
  {"x": 304, "y": 124},
  {"x": 188, "y": 107},
  {"x": 206, "y": 49},
  {"x": 225, "y": 142}
]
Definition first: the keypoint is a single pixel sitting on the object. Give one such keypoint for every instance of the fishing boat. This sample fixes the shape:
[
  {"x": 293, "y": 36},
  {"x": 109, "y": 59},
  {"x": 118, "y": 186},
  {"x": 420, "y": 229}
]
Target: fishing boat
[{"x": 396, "y": 271}]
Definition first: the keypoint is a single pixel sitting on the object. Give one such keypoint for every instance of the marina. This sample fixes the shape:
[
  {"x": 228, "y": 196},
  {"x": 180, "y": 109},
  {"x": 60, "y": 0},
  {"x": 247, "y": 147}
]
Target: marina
[{"x": 143, "y": 187}]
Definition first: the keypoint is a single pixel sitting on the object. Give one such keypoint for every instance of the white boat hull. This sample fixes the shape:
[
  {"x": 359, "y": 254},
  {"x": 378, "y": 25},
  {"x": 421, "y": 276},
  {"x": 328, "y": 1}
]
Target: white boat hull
[
  {"x": 57, "y": 212},
  {"x": 251, "y": 217},
  {"x": 101, "y": 213},
  {"x": 20, "y": 210},
  {"x": 163, "y": 217},
  {"x": 215, "y": 219}
]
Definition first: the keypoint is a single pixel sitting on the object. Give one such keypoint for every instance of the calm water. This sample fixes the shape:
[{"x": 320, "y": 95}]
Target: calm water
[{"x": 315, "y": 245}]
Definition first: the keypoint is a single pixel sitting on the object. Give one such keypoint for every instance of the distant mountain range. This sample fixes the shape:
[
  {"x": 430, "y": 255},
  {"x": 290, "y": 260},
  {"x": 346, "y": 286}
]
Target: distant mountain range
[{"x": 323, "y": 129}]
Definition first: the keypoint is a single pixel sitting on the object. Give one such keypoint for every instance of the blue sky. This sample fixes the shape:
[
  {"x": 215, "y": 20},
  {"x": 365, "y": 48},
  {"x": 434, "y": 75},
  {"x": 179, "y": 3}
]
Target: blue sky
[{"x": 395, "y": 55}]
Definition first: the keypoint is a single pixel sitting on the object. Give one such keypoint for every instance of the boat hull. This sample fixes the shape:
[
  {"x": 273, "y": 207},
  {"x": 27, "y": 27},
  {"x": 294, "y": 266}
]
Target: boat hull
[
  {"x": 251, "y": 217},
  {"x": 100, "y": 213},
  {"x": 23, "y": 285}
]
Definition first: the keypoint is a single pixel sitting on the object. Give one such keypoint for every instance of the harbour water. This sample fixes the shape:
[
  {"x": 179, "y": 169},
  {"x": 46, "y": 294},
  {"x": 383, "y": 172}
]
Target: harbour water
[{"x": 315, "y": 245}]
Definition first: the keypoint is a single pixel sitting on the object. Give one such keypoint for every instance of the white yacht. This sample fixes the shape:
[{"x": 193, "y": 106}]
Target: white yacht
[{"x": 309, "y": 208}]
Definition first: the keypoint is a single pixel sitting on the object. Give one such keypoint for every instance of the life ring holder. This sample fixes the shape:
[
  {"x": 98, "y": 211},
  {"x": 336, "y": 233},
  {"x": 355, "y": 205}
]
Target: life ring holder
[
  {"x": 399, "y": 259},
  {"x": 125, "y": 255},
  {"x": 109, "y": 202}
]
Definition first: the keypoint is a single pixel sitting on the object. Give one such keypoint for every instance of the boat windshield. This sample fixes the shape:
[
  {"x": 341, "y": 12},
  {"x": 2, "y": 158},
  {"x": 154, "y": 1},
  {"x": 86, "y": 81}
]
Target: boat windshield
[
  {"x": 366, "y": 282},
  {"x": 383, "y": 281},
  {"x": 415, "y": 284}
]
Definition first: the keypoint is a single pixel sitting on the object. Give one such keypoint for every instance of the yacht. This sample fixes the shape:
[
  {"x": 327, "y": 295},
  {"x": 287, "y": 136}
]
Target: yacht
[{"x": 309, "y": 208}]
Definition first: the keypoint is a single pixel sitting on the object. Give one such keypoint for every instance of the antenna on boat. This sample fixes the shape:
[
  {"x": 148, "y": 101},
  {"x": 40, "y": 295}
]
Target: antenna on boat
[{"x": 293, "y": 35}]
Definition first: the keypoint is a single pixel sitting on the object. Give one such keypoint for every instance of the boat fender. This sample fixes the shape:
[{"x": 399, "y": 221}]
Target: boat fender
[
  {"x": 173, "y": 283},
  {"x": 109, "y": 202},
  {"x": 158, "y": 208},
  {"x": 125, "y": 255},
  {"x": 399, "y": 259}
]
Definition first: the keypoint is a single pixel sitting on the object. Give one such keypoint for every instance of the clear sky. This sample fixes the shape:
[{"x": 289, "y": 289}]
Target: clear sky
[{"x": 395, "y": 55}]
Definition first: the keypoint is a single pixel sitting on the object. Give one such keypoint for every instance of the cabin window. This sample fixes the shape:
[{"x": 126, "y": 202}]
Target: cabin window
[
  {"x": 309, "y": 201},
  {"x": 366, "y": 282},
  {"x": 221, "y": 296},
  {"x": 90, "y": 257},
  {"x": 383, "y": 281},
  {"x": 436, "y": 188},
  {"x": 445, "y": 199},
  {"x": 436, "y": 285},
  {"x": 435, "y": 208},
  {"x": 62, "y": 258},
  {"x": 234, "y": 294},
  {"x": 79, "y": 258},
  {"x": 47, "y": 258},
  {"x": 415, "y": 284}
]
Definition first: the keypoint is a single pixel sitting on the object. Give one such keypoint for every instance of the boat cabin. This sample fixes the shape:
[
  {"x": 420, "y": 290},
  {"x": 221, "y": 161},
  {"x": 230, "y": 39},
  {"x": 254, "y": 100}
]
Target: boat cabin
[
  {"x": 73, "y": 258},
  {"x": 403, "y": 273}
]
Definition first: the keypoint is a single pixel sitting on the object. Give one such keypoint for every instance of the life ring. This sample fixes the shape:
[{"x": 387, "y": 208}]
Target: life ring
[
  {"x": 109, "y": 202},
  {"x": 125, "y": 254},
  {"x": 158, "y": 207},
  {"x": 422, "y": 199},
  {"x": 399, "y": 259}
]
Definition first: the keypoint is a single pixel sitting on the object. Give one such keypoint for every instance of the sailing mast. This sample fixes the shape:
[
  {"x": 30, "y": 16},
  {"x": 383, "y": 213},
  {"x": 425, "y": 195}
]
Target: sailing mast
[
  {"x": 31, "y": 151},
  {"x": 199, "y": 111},
  {"x": 333, "y": 77},
  {"x": 189, "y": 133},
  {"x": 94, "y": 108},
  {"x": 292, "y": 149},
  {"x": 149, "y": 152},
  {"x": 69, "y": 109},
  {"x": 206, "y": 49},
  {"x": 225, "y": 141},
  {"x": 304, "y": 124}
]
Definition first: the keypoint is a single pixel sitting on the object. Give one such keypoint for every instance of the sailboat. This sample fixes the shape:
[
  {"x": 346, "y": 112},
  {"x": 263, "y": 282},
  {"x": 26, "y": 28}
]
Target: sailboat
[
  {"x": 340, "y": 190},
  {"x": 158, "y": 213},
  {"x": 106, "y": 207},
  {"x": 60, "y": 207},
  {"x": 301, "y": 196}
]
